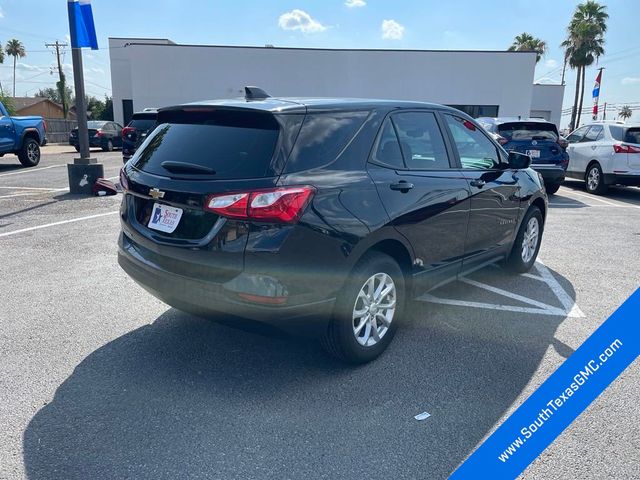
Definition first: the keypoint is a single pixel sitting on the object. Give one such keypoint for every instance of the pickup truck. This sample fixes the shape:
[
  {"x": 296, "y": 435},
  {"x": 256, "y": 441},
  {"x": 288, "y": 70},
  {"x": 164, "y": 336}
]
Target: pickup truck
[{"x": 22, "y": 136}]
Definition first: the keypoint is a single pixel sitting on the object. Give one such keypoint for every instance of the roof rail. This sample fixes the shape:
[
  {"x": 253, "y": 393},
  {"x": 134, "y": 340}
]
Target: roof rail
[{"x": 255, "y": 93}]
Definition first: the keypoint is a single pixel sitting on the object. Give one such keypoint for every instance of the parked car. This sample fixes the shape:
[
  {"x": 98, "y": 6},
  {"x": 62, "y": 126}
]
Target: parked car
[
  {"x": 22, "y": 136},
  {"x": 102, "y": 134},
  {"x": 535, "y": 137},
  {"x": 323, "y": 213},
  {"x": 136, "y": 131},
  {"x": 603, "y": 154}
]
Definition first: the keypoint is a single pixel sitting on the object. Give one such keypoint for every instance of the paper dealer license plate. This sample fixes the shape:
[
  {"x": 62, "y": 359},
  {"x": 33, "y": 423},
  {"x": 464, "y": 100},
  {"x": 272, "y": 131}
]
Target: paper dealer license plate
[
  {"x": 164, "y": 218},
  {"x": 533, "y": 153}
]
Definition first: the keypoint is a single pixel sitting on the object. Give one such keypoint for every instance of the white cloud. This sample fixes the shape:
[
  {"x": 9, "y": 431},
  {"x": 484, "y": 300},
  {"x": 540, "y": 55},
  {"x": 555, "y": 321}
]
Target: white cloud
[
  {"x": 1, "y": 13},
  {"x": 630, "y": 80},
  {"x": 355, "y": 3},
  {"x": 392, "y": 30},
  {"x": 551, "y": 63},
  {"x": 300, "y": 20}
]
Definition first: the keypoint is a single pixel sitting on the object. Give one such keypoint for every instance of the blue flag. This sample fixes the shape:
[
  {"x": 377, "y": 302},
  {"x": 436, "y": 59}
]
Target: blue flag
[{"x": 81, "y": 27}]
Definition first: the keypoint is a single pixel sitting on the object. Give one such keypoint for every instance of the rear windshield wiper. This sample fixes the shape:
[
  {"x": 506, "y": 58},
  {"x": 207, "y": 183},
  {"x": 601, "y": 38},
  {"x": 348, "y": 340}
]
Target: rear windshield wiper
[{"x": 186, "y": 167}]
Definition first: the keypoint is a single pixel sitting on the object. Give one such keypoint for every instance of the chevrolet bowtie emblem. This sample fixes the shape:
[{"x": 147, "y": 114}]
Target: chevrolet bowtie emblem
[{"x": 156, "y": 194}]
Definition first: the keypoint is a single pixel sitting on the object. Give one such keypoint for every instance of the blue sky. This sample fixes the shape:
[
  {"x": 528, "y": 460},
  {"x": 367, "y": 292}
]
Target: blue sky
[{"x": 414, "y": 24}]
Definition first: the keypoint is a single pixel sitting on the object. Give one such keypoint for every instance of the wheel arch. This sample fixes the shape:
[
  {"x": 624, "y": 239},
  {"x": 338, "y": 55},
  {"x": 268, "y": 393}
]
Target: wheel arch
[
  {"x": 29, "y": 133},
  {"x": 539, "y": 202}
]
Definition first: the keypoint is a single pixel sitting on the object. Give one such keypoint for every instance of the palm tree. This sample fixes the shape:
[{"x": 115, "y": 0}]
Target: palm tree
[
  {"x": 625, "y": 112},
  {"x": 1, "y": 54},
  {"x": 15, "y": 48},
  {"x": 528, "y": 43},
  {"x": 583, "y": 46}
]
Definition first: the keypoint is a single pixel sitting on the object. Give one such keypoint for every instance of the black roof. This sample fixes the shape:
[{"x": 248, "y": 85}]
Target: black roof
[{"x": 302, "y": 104}]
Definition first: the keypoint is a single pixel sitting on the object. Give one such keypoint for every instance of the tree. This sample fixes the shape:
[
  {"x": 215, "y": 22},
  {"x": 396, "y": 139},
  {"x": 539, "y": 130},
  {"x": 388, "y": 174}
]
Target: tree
[
  {"x": 107, "y": 111},
  {"x": 1, "y": 54},
  {"x": 7, "y": 101},
  {"x": 15, "y": 49},
  {"x": 584, "y": 45},
  {"x": 528, "y": 43},
  {"x": 625, "y": 112}
]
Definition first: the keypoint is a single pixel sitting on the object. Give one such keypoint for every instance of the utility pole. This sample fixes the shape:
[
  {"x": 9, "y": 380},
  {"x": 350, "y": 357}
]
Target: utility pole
[
  {"x": 62, "y": 85},
  {"x": 604, "y": 111},
  {"x": 564, "y": 68}
]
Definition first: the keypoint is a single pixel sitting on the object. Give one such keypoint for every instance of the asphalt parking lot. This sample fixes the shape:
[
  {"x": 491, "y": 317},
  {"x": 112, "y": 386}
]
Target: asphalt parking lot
[{"x": 101, "y": 380}]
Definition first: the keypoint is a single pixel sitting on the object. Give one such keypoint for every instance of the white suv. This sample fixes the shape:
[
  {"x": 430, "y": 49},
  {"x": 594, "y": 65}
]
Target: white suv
[{"x": 604, "y": 154}]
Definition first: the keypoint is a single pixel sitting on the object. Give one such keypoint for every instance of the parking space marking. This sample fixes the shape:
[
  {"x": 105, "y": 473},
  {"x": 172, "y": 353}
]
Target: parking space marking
[
  {"x": 570, "y": 308},
  {"x": 598, "y": 199},
  {"x": 63, "y": 222},
  {"x": 29, "y": 170}
]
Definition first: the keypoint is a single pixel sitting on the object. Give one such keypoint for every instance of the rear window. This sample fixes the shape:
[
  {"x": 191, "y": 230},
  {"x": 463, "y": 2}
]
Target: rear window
[
  {"x": 528, "y": 131},
  {"x": 232, "y": 144},
  {"x": 95, "y": 124},
  {"x": 142, "y": 124},
  {"x": 322, "y": 138},
  {"x": 625, "y": 134}
]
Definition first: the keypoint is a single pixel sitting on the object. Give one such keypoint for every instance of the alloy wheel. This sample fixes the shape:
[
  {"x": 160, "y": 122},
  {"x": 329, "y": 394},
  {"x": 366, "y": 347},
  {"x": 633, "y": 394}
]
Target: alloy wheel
[
  {"x": 530, "y": 240},
  {"x": 374, "y": 309},
  {"x": 32, "y": 152},
  {"x": 593, "y": 178}
]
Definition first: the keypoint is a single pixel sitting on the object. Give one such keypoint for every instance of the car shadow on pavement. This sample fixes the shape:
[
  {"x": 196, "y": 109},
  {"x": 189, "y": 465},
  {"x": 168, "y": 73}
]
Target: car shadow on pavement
[
  {"x": 617, "y": 193},
  {"x": 186, "y": 397}
]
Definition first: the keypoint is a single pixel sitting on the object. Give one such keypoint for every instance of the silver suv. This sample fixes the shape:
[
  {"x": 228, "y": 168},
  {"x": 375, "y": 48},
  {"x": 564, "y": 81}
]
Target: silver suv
[{"x": 603, "y": 154}]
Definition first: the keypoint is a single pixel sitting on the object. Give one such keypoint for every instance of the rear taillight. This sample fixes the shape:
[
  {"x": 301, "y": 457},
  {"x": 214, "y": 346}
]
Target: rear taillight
[
  {"x": 98, "y": 133},
  {"x": 563, "y": 142},
  {"x": 284, "y": 204},
  {"x": 127, "y": 130},
  {"x": 124, "y": 181},
  {"x": 622, "y": 148},
  {"x": 502, "y": 140},
  {"x": 44, "y": 125}
]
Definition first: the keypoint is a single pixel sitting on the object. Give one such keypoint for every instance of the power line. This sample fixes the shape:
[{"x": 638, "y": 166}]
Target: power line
[{"x": 62, "y": 85}]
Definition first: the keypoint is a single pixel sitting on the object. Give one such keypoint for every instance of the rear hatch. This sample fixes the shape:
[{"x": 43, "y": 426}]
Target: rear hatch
[
  {"x": 632, "y": 138},
  {"x": 537, "y": 139},
  {"x": 138, "y": 129},
  {"x": 192, "y": 154}
]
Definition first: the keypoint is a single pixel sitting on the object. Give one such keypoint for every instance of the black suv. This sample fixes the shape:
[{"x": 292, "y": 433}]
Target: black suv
[
  {"x": 136, "y": 131},
  {"x": 323, "y": 213}
]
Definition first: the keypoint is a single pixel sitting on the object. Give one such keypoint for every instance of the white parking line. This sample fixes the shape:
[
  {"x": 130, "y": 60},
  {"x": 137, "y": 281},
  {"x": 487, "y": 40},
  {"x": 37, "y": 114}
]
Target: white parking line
[
  {"x": 570, "y": 309},
  {"x": 63, "y": 222},
  {"x": 598, "y": 199},
  {"x": 29, "y": 188},
  {"x": 29, "y": 170}
]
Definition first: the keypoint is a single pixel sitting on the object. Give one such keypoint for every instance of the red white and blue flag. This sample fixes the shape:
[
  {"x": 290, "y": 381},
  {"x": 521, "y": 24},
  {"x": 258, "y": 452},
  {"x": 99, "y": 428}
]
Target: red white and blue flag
[
  {"x": 81, "y": 27},
  {"x": 596, "y": 95}
]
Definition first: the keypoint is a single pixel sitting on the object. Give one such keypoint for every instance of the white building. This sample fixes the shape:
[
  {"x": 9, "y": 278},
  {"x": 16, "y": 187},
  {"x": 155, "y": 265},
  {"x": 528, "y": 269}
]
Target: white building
[{"x": 156, "y": 73}]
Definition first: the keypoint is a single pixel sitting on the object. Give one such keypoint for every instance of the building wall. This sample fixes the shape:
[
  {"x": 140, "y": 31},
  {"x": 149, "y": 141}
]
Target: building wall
[
  {"x": 546, "y": 102},
  {"x": 156, "y": 75},
  {"x": 43, "y": 109}
]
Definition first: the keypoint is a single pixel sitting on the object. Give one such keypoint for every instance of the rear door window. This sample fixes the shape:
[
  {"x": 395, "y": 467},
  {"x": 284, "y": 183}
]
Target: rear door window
[
  {"x": 527, "y": 131},
  {"x": 232, "y": 144},
  {"x": 387, "y": 149},
  {"x": 421, "y": 141}
]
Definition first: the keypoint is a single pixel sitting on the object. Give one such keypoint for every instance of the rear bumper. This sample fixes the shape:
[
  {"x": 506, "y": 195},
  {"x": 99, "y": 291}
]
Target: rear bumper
[
  {"x": 210, "y": 298},
  {"x": 93, "y": 142},
  {"x": 550, "y": 173},
  {"x": 622, "y": 179}
]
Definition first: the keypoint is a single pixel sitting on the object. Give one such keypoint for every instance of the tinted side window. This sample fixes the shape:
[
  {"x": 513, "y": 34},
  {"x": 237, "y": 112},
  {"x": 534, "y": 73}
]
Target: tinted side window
[
  {"x": 577, "y": 135},
  {"x": 476, "y": 151},
  {"x": 322, "y": 138},
  {"x": 632, "y": 135},
  {"x": 387, "y": 148},
  {"x": 617, "y": 132},
  {"x": 421, "y": 141},
  {"x": 592, "y": 134}
]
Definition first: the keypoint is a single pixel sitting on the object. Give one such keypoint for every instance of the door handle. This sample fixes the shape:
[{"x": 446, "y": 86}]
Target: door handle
[
  {"x": 477, "y": 183},
  {"x": 402, "y": 185}
]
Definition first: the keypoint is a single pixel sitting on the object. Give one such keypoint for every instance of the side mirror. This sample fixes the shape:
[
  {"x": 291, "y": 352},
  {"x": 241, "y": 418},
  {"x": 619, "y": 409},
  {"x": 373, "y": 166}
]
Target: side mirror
[{"x": 519, "y": 161}]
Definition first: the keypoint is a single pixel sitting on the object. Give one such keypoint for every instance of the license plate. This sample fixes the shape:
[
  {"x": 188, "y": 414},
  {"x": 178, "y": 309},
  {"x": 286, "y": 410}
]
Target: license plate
[
  {"x": 164, "y": 218},
  {"x": 533, "y": 153}
]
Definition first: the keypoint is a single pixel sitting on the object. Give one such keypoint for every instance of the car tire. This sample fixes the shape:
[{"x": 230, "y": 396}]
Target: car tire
[
  {"x": 29, "y": 154},
  {"x": 360, "y": 339},
  {"x": 594, "y": 180},
  {"x": 108, "y": 147},
  {"x": 552, "y": 188},
  {"x": 527, "y": 243}
]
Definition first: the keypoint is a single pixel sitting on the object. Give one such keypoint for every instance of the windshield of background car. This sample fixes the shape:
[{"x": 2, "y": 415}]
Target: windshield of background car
[
  {"x": 233, "y": 144},
  {"x": 524, "y": 131},
  {"x": 142, "y": 123}
]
